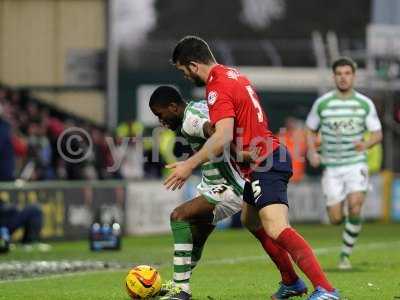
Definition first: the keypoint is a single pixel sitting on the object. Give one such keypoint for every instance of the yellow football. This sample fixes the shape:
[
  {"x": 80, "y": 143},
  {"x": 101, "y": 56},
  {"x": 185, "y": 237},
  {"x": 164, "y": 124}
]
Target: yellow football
[{"x": 143, "y": 282}]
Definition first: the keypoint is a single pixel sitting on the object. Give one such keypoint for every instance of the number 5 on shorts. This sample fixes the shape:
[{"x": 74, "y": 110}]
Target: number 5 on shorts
[{"x": 255, "y": 186}]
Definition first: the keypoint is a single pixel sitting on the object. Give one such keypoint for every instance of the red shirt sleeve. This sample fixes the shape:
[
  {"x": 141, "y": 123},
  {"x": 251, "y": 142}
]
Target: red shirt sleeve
[{"x": 220, "y": 103}]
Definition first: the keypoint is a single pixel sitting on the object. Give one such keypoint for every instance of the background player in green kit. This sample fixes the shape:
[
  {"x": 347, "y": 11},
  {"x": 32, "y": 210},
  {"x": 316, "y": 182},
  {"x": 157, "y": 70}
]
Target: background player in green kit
[{"x": 342, "y": 117}]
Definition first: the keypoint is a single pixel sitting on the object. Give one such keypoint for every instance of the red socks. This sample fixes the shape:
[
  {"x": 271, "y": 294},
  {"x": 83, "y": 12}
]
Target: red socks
[
  {"x": 304, "y": 257},
  {"x": 279, "y": 256}
]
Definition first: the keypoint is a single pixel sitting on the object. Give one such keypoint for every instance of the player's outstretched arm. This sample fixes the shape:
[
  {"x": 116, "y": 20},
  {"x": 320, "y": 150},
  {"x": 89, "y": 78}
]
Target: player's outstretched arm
[{"x": 212, "y": 148}]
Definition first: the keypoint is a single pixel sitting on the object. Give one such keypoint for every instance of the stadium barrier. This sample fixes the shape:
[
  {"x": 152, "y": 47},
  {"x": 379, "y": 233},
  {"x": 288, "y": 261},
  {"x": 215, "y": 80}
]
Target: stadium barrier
[
  {"x": 69, "y": 207},
  {"x": 144, "y": 207}
]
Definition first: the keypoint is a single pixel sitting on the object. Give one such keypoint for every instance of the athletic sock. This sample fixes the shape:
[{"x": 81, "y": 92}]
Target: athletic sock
[
  {"x": 351, "y": 231},
  {"x": 196, "y": 255},
  {"x": 279, "y": 256},
  {"x": 303, "y": 256},
  {"x": 183, "y": 247}
]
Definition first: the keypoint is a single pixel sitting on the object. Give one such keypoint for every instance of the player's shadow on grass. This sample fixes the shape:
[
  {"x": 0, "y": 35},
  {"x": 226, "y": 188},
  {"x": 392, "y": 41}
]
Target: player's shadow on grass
[{"x": 353, "y": 270}]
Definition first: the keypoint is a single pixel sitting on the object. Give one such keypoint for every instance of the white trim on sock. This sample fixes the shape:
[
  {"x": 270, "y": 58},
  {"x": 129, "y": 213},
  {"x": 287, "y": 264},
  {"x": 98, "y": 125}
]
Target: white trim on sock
[
  {"x": 182, "y": 276},
  {"x": 181, "y": 261},
  {"x": 353, "y": 228},
  {"x": 183, "y": 247},
  {"x": 346, "y": 249},
  {"x": 348, "y": 238}
]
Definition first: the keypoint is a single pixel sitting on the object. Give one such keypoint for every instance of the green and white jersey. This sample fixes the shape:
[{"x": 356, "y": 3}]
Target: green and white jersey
[
  {"x": 342, "y": 122},
  {"x": 213, "y": 173}
]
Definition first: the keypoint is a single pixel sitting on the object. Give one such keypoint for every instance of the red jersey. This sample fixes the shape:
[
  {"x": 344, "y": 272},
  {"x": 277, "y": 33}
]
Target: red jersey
[{"x": 230, "y": 95}]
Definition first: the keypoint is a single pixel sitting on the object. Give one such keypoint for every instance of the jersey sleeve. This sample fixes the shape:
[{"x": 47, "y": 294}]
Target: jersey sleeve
[
  {"x": 372, "y": 121},
  {"x": 220, "y": 103},
  {"x": 313, "y": 119},
  {"x": 193, "y": 124}
]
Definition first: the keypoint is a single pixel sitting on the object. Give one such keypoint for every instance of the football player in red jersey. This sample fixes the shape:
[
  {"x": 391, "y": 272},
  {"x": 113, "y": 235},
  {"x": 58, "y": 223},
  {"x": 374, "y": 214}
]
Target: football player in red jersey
[{"x": 241, "y": 124}]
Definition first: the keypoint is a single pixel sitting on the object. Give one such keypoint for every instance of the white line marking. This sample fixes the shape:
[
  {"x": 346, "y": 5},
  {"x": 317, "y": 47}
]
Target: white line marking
[{"x": 228, "y": 261}]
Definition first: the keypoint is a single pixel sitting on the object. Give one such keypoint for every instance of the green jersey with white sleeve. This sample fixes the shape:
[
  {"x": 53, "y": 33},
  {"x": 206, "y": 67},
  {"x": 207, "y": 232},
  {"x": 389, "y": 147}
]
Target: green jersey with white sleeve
[
  {"x": 342, "y": 123},
  {"x": 218, "y": 176}
]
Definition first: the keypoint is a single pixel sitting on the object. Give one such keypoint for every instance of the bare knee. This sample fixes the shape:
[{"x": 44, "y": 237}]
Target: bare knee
[
  {"x": 274, "y": 230},
  {"x": 178, "y": 214},
  {"x": 355, "y": 211},
  {"x": 336, "y": 220}
]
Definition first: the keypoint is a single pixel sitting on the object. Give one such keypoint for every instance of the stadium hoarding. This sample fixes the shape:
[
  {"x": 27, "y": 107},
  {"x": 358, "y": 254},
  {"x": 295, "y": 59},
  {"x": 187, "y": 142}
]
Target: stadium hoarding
[
  {"x": 69, "y": 207},
  {"x": 144, "y": 207},
  {"x": 148, "y": 207}
]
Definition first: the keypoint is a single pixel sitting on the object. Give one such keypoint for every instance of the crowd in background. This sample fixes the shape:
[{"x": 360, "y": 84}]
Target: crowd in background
[{"x": 29, "y": 130}]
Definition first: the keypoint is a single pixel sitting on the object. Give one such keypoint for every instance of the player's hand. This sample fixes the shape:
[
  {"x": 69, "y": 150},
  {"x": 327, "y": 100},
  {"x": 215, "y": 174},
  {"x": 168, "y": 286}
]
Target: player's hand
[
  {"x": 314, "y": 158},
  {"x": 360, "y": 146},
  {"x": 251, "y": 156},
  {"x": 180, "y": 173}
]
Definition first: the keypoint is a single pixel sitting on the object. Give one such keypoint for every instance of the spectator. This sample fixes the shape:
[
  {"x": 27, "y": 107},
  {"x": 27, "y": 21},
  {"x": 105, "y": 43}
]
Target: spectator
[
  {"x": 39, "y": 152},
  {"x": 294, "y": 137},
  {"x": 7, "y": 159},
  {"x": 30, "y": 219}
]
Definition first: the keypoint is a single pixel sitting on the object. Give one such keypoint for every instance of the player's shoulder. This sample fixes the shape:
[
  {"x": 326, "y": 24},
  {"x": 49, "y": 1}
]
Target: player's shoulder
[
  {"x": 197, "y": 107},
  {"x": 195, "y": 110},
  {"x": 223, "y": 75},
  {"x": 324, "y": 99},
  {"x": 363, "y": 98}
]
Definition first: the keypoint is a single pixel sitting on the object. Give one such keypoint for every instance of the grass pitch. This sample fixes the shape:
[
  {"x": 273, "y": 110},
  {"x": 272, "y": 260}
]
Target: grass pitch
[{"x": 233, "y": 267}]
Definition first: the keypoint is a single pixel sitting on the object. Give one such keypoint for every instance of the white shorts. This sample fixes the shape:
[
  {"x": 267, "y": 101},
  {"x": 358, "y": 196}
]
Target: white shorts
[
  {"x": 338, "y": 182},
  {"x": 227, "y": 202}
]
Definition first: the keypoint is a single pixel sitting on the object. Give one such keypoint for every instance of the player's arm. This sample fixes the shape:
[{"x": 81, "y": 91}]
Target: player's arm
[
  {"x": 312, "y": 151},
  {"x": 373, "y": 124},
  {"x": 212, "y": 148},
  {"x": 208, "y": 129},
  {"x": 312, "y": 123},
  {"x": 247, "y": 156},
  {"x": 375, "y": 138}
]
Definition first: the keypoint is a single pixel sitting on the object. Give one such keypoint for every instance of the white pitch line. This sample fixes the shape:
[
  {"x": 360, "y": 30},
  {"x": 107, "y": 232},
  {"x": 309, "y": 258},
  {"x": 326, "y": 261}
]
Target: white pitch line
[{"x": 228, "y": 261}]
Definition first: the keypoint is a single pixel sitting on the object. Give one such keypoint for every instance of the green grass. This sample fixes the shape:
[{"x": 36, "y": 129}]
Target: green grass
[{"x": 233, "y": 267}]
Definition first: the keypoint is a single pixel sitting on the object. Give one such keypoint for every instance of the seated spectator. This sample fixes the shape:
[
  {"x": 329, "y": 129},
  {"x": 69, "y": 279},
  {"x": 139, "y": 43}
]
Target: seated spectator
[{"x": 30, "y": 219}]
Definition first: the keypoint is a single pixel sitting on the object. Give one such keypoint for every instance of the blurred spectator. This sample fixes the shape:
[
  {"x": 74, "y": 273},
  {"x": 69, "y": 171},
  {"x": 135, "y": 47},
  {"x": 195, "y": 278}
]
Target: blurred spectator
[
  {"x": 30, "y": 219},
  {"x": 294, "y": 137},
  {"x": 101, "y": 153},
  {"x": 7, "y": 158},
  {"x": 374, "y": 156},
  {"x": 130, "y": 129},
  {"x": 130, "y": 150},
  {"x": 39, "y": 152}
]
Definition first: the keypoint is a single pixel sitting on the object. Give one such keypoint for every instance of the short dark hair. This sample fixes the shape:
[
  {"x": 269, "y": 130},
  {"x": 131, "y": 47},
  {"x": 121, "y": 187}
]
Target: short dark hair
[
  {"x": 344, "y": 61},
  {"x": 192, "y": 48},
  {"x": 165, "y": 95}
]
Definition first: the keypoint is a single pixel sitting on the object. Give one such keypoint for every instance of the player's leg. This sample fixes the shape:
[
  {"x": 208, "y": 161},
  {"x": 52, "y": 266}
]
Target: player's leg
[
  {"x": 274, "y": 218},
  {"x": 335, "y": 213},
  {"x": 279, "y": 256},
  {"x": 333, "y": 189},
  {"x": 197, "y": 210},
  {"x": 202, "y": 213},
  {"x": 352, "y": 228},
  {"x": 356, "y": 187},
  {"x": 270, "y": 194},
  {"x": 200, "y": 233}
]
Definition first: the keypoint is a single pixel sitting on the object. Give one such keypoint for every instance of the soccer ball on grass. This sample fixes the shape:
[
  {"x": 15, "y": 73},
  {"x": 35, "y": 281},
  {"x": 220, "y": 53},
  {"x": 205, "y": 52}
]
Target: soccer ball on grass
[{"x": 143, "y": 282}]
